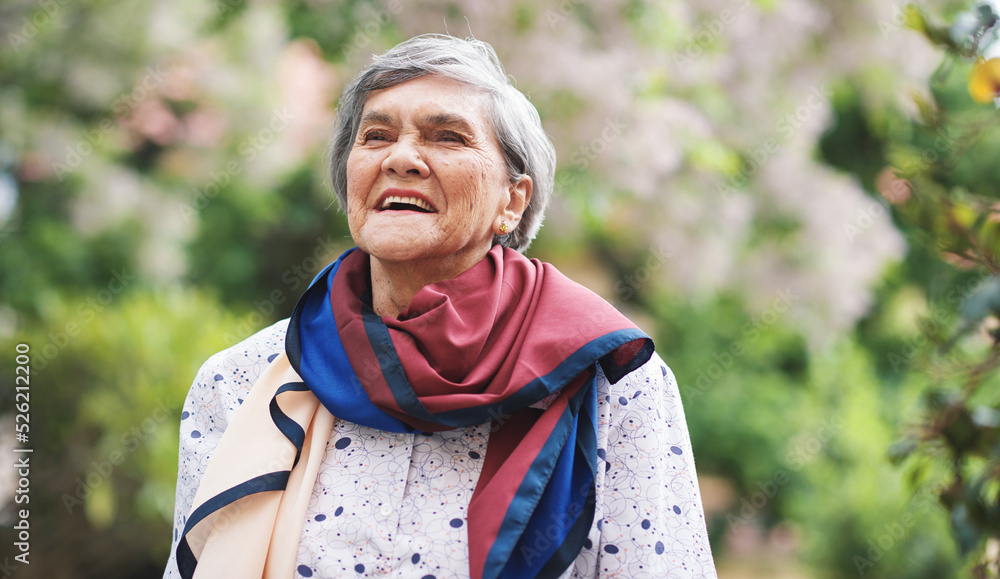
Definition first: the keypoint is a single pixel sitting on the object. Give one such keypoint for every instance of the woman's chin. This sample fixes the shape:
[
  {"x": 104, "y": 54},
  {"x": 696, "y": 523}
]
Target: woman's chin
[
  {"x": 389, "y": 247},
  {"x": 425, "y": 252},
  {"x": 395, "y": 253},
  {"x": 396, "y": 243}
]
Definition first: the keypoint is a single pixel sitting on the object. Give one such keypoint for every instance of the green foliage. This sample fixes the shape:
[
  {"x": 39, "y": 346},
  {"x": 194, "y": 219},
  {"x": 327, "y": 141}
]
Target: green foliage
[
  {"x": 106, "y": 395},
  {"x": 943, "y": 184},
  {"x": 42, "y": 253},
  {"x": 245, "y": 236},
  {"x": 802, "y": 434}
]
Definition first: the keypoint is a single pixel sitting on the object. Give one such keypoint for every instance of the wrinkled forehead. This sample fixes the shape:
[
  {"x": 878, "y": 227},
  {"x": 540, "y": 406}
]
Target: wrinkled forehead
[{"x": 431, "y": 98}]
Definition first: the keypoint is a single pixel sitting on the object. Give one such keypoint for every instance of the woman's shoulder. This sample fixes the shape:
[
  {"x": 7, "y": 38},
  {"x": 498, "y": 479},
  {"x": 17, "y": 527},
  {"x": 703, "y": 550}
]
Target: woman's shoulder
[
  {"x": 224, "y": 380},
  {"x": 653, "y": 378}
]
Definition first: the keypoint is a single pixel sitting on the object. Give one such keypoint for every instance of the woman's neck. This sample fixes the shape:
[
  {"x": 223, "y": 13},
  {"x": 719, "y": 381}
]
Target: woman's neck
[{"x": 395, "y": 283}]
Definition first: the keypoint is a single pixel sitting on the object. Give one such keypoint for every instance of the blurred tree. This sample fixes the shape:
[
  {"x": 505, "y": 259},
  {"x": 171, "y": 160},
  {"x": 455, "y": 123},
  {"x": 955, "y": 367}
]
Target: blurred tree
[
  {"x": 938, "y": 170},
  {"x": 105, "y": 402}
]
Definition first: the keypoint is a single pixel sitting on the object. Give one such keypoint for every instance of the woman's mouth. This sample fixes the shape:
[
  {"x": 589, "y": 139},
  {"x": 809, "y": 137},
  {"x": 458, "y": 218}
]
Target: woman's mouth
[{"x": 397, "y": 203}]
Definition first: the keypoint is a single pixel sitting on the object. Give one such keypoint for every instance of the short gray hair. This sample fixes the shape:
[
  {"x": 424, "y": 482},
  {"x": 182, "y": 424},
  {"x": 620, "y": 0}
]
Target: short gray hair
[{"x": 527, "y": 150}]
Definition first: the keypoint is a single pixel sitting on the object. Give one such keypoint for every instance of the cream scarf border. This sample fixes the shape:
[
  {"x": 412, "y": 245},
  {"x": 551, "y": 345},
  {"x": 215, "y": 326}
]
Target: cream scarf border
[{"x": 258, "y": 535}]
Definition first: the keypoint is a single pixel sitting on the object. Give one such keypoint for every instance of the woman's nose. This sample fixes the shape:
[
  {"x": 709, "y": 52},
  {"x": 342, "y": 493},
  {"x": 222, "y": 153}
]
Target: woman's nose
[{"x": 405, "y": 158}]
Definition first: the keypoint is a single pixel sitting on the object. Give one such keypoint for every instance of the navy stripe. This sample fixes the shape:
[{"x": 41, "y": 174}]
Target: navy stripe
[
  {"x": 274, "y": 481},
  {"x": 564, "y": 499},
  {"x": 392, "y": 368},
  {"x": 186, "y": 561},
  {"x": 586, "y": 438},
  {"x": 291, "y": 429},
  {"x": 293, "y": 339}
]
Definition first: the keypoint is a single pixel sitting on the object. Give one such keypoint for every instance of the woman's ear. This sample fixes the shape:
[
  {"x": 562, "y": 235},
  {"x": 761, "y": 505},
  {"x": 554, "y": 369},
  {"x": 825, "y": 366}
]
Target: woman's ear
[{"x": 520, "y": 197}]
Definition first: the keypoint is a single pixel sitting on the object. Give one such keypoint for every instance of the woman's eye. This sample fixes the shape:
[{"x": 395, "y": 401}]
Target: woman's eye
[
  {"x": 450, "y": 137},
  {"x": 374, "y": 136}
]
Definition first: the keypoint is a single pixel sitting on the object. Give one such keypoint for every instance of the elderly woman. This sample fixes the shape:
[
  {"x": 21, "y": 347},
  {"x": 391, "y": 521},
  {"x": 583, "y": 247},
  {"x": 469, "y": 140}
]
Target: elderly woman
[{"x": 438, "y": 405}]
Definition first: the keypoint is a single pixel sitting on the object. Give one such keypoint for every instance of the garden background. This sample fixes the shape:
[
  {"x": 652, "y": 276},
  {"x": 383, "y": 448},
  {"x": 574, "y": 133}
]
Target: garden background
[{"x": 794, "y": 197}]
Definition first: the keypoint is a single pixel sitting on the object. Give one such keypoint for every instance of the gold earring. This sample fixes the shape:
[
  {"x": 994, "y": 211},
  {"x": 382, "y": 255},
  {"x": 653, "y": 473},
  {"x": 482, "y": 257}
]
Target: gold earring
[{"x": 503, "y": 228}]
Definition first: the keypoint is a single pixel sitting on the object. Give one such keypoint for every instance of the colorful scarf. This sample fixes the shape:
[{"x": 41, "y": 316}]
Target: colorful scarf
[{"x": 511, "y": 341}]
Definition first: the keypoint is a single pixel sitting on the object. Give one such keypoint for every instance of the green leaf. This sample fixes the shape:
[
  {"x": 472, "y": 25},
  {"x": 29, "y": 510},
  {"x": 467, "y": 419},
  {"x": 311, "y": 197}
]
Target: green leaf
[{"x": 965, "y": 532}]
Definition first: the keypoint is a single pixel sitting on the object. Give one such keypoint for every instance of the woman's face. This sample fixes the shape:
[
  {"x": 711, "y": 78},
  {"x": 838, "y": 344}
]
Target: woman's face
[{"x": 426, "y": 178}]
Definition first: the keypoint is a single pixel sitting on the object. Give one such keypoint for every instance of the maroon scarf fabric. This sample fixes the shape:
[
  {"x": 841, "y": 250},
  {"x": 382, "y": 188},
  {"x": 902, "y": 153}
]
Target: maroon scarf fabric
[{"x": 480, "y": 338}]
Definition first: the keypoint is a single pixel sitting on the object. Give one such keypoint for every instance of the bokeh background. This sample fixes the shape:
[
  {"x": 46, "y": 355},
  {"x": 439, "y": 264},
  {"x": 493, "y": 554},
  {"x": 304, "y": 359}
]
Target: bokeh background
[{"x": 794, "y": 197}]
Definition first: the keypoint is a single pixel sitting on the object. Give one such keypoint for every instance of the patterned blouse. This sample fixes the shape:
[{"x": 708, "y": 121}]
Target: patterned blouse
[{"x": 395, "y": 505}]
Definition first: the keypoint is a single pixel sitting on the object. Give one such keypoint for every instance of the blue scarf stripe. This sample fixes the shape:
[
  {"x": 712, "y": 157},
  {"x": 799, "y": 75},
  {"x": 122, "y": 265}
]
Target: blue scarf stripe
[
  {"x": 565, "y": 496},
  {"x": 528, "y": 510},
  {"x": 359, "y": 408},
  {"x": 288, "y": 427},
  {"x": 293, "y": 337},
  {"x": 273, "y": 481},
  {"x": 573, "y": 543},
  {"x": 328, "y": 361},
  {"x": 186, "y": 561}
]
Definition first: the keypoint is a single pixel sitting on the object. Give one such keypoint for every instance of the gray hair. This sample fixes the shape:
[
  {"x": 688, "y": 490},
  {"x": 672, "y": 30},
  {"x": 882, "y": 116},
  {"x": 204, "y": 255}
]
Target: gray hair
[{"x": 526, "y": 148}]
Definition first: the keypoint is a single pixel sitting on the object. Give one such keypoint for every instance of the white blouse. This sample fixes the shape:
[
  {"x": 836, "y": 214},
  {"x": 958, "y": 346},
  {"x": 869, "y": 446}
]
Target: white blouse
[{"x": 394, "y": 505}]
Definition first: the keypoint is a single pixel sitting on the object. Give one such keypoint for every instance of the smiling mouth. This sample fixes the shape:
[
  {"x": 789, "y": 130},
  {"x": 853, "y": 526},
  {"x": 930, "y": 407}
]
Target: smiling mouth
[{"x": 395, "y": 203}]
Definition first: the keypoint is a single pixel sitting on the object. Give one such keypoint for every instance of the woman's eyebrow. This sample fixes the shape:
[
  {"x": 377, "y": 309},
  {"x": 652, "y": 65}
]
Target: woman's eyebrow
[
  {"x": 376, "y": 117},
  {"x": 447, "y": 119}
]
